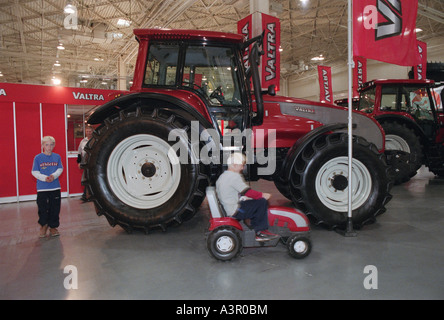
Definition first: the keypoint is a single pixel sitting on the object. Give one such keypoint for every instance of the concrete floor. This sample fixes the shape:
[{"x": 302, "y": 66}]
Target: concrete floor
[{"x": 405, "y": 246}]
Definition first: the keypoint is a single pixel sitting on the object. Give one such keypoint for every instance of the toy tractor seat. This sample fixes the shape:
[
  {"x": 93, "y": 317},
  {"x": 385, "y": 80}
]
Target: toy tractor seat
[{"x": 216, "y": 208}]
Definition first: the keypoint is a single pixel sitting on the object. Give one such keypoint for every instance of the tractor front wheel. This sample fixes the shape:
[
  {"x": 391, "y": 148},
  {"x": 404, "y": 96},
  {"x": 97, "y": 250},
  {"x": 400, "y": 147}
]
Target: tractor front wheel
[
  {"x": 399, "y": 138},
  {"x": 319, "y": 181}
]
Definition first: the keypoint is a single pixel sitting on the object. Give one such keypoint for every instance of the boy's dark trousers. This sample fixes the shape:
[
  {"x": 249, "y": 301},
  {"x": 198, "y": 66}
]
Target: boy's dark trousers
[
  {"x": 48, "y": 203},
  {"x": 256, "y": 211}
]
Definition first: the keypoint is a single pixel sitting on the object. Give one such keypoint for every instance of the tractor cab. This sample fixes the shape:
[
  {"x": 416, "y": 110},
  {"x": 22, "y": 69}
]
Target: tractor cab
[
  {"x": 410, "y": 98},
  {"x": 211, "y": 69}
]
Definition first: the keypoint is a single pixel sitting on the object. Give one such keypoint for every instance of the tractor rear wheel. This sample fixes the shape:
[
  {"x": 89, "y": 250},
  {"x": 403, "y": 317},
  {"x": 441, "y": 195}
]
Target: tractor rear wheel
[
  {"x": 318, "y": 181},
  {"x": 136, "y": 178}
]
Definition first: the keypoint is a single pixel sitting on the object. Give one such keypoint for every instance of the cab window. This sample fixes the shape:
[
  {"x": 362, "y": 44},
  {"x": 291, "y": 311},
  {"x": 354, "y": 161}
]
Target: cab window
[
  {"x": 416, "y": 101},
  {"x": 211, "y": 71},
  {"x": 367, "y": 100},
  {"x": 161, "y": 65}
]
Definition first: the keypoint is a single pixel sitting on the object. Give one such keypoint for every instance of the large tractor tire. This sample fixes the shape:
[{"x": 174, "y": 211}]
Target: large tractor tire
[
  {"x": 318, "y": 181},
  {"x": 399, "y": 137},
  {"x": 136, "y": 179}
]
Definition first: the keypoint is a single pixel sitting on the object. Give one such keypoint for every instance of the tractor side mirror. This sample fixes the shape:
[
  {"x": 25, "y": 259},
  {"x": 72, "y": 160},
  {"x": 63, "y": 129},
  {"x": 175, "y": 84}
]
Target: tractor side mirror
[{"x": 270, "y": 91}]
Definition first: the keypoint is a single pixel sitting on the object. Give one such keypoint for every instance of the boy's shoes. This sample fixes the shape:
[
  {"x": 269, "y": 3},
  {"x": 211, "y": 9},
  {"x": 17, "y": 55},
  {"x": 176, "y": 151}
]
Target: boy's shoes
[
  {"x": 265, "y": 235},
  {"x": 43, "y": 230},
  {"x": 54, "y": 232}
]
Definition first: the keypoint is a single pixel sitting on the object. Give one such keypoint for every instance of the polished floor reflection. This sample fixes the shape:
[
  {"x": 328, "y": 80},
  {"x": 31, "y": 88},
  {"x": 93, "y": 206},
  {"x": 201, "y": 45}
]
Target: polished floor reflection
[{"x": 405, "y": 248}]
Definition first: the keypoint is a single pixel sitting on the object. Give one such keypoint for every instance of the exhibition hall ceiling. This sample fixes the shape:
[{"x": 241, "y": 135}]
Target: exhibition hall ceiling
[{"x": 36, "y": 46}]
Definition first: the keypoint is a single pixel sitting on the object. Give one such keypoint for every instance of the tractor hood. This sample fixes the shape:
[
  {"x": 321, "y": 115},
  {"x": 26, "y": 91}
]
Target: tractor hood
[{"x": 297, "y": 111}]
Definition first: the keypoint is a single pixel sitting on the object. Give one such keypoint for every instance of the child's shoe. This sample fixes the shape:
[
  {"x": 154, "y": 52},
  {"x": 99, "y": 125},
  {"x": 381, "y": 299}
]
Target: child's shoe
[
  {"x": 265, "y": 235},
  {"x": 54, "y": 232},
  {"x": 43, "y": 230}
]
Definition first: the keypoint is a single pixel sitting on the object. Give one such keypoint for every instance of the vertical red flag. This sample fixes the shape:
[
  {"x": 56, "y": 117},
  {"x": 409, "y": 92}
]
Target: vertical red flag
[
  {"x": 326, "y": 94},
  {"x": 271, "y": 59},
  {"x": 359, "y": 74},
  {"x": 245, "y": 27},
  {"x": 384, "y": 30},
  {"x": 420, "y": 70}
]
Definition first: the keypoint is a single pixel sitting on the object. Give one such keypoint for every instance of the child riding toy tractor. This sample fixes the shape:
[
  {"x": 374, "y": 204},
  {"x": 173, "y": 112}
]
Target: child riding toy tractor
[{"x": 227, "y": 236}]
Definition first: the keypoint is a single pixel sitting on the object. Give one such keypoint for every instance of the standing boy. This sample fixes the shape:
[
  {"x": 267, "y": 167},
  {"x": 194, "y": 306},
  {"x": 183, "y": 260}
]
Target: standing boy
[{"x": 47, "y": 168}]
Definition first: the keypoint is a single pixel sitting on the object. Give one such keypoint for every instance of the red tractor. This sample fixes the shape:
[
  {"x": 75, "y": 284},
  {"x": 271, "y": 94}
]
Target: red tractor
[
  {"x": 410, "y": 111},
  {"x": 193, "y": 101}
]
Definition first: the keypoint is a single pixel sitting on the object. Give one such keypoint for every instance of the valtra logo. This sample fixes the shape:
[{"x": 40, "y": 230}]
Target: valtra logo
[
  {"x": 271, "y": 52},
  {"x": 88, "y": 96}
]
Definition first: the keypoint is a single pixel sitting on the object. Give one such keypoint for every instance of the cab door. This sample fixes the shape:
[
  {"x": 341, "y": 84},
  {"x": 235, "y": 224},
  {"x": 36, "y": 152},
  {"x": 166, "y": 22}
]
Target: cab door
[{"x": 211, "y": 71}]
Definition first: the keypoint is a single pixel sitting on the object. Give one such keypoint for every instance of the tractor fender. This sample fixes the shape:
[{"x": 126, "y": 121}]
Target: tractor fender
[
  {"x": 363, "y": 125},
  {"x": 407, "y": 121},
  {"x": 300, "y": 144},
  {"x": 159, "y": 100}
]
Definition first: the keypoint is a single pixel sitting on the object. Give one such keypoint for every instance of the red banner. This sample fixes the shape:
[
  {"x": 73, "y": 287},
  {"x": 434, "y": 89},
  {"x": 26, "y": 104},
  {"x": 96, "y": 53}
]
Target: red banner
[
  {"x": 420, "y": 69},
  {"x": 326, "y": 93},
  {"x": 359, "y": 74},
  {"x": 384, "y": 30},
  {"x": 245, "y": 27},
  {"x": 271, "y": 60}
]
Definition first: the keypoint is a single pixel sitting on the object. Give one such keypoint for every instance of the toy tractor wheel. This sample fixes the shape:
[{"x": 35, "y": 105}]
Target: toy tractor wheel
[
  {"x": 298, "y": 246},
  {"x": 137, "y": 180},
  {"x": 398, "y": 137},
  {"x": 318, "y": 179},
  {"x": 224, "y": 243}
]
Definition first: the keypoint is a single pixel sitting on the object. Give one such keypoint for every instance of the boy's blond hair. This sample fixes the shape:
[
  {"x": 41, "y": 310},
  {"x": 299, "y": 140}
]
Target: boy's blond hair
[{"x": 48, "y": 138}]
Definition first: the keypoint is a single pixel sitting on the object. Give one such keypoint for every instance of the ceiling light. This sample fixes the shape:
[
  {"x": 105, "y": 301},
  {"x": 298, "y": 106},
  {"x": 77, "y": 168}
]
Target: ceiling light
[
  {"x": 318, "y": 58},
  {"x": 123, "y": 23},
  {"x": 56, "y": 81},
  {"x": 117, "y": 35},
  {"x": 60, "y": 46},
  {"x": 57, "y": 64}
]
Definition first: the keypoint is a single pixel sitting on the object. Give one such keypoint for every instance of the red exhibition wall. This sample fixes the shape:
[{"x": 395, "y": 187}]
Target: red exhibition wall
[{"x": 30, "y": 112}]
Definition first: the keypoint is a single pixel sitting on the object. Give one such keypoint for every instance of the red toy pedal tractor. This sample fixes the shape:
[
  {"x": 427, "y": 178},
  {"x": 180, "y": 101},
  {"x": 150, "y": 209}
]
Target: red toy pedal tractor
[{"x": 227, "y": 236}]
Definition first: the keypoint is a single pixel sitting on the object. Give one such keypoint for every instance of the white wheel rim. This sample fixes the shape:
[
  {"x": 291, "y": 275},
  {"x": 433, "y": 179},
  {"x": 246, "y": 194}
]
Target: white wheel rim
[
  {"x": 394, "y": 142},
  {"x": 225, "y": 244},
  {"x": 129, "y": 179},
  {"x": 300, "y": 246},
  {"x": 336, "y": 198}
]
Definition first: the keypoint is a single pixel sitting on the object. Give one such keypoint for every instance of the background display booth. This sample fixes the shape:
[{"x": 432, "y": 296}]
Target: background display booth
[{"x": 30, "y": 112}]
